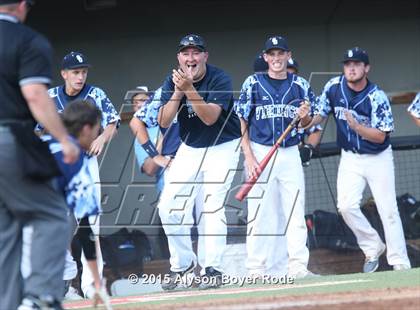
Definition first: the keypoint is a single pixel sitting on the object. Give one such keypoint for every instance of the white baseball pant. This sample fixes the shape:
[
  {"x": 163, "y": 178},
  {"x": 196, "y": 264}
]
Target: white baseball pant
[
  {"x": 189, "y": 220},
  {"x": 277, "y": 233},
  {"x": 377, "y": 170},
  {"x": 213, "y": 169}
]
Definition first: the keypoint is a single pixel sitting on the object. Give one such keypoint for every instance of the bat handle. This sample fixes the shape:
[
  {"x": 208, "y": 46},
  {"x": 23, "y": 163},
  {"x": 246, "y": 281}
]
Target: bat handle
[{"x": 245, "y": 188}]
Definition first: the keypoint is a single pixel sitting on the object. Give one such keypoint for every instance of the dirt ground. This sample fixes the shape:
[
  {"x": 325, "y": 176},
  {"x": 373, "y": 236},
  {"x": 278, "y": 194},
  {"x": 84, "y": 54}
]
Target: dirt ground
[{"x": 399, "y": 298}]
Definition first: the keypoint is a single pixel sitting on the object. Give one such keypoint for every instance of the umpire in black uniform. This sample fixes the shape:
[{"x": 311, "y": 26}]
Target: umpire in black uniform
[{"x": 27, "y": 192}]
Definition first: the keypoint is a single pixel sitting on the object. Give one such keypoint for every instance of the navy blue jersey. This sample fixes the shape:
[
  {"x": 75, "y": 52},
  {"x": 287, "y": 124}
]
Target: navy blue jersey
[
  {"x": 270, "y": 107},
  {"x": 370, "y": 107},
  {"x": 171, "y": 140},
  {"x": 215, "y": 87},
  {"x": 76, "y": 182},
  {"x": 92, "y": 94}
]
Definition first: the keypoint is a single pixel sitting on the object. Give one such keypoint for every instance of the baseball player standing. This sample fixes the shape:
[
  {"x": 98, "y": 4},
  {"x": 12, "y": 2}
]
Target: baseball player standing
[
  {"x": 147, "y": 118},
  {"x": 267, "y": 104},
  {"x": 74, "y": 71},
  {"x": 25, "y": 73},
  {"x": 200, "y": 96},
  {"x": 414, "y": 110},
  {"x": 364, "y": 122}
]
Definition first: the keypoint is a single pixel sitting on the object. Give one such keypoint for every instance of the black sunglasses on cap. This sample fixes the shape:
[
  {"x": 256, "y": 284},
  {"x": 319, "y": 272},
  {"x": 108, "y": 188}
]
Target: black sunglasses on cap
[{"x": 192, "y": 40}]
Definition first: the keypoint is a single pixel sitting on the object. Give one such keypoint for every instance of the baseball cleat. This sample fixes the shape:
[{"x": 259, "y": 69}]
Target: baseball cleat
[
  {"x": 401, "y": 267},
  {"x": 72, "y": 294},
  {"x": 372, "y": 263},
  {"x": 178, "y": 280},
  {"x": 211, "y": 279},
  {"x": 303, "y": 274}
]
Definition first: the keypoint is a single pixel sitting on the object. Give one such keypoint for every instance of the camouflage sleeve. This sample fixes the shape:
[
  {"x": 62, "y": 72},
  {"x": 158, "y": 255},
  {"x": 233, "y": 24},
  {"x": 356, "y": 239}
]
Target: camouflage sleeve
[
  {"x": 309, "y": 94},
  {"x": 244, "y": 104},
  {"x": 414, "y": 107},
  {"x": 109, "y": 114},
  {"x": 381, "y": 115},
  {"x": 149, "y": 112},
  {"x": 323, "y": 104}
]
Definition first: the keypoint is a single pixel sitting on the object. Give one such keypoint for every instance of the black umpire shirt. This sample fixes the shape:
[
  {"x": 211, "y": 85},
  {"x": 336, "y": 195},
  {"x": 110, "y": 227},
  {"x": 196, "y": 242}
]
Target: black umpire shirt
[{"x": 25, "y": 58}]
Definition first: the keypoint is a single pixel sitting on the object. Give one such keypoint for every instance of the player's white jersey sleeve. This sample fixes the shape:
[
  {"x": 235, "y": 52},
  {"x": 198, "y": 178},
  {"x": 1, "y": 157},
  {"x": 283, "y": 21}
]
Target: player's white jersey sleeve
[
  {"x": 243, "y": 105},
  {"x": 381, "y": 117},
  {"x": 414, "y": 107},
  {"x": 323, "y": 105}
]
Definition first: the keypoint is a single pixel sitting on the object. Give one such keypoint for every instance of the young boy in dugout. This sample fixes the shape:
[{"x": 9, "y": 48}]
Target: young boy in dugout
[{"x": 82, "y": 120}]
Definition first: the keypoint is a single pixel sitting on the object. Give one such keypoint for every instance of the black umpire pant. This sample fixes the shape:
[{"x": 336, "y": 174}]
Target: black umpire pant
[{"x": 24, "y": 202}]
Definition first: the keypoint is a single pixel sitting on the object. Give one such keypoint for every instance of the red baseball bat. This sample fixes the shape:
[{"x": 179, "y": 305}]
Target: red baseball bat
[{"x": 246, "y": 187}]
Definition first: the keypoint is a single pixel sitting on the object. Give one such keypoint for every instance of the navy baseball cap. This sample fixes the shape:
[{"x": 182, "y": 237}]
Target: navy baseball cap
[
  {"x": 356, "y": 54},
  {"x": 260, "y": 64},
  {"x": 276, "y": 42},
  {"x": 192, "y": 40},
  {"x": 74, "y": 60},
  {"x": 292, "y": 63}
]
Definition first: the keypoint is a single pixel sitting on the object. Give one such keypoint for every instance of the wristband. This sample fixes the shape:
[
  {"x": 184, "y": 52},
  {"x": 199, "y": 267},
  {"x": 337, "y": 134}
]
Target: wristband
[{"x": 150, "y": 149}]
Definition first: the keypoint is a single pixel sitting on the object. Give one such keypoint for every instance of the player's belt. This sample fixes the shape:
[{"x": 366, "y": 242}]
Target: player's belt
[{"x": 353, "y": 150}]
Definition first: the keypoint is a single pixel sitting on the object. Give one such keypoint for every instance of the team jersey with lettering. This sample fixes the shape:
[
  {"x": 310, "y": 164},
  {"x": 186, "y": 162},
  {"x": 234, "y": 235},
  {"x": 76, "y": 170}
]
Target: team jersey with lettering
[
  {"x": 76, "y": 182},
  {"x": 370, "y": 107},
  {"x": 269, "y": 109},
  {"x": 215, "y": 87},
  {"x": 414, "y": 107},
  {"x": 92, "y": 94}
]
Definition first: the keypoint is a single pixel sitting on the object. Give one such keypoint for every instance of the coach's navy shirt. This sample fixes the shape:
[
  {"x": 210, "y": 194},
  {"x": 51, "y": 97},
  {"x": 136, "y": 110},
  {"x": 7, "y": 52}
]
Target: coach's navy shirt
[
  {"x": 171, "y": 140},
  {"x": 25, "y": 58},
  {"x": 215, "y": 87}
]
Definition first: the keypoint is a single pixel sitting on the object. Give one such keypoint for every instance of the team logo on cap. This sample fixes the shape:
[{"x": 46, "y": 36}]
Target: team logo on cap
[
  {"x": 350, "y": 53},
  {"x": 79, "y": 58},
  {"x": 191, "y": 38},
  {"x": 275, "y": 41}
]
